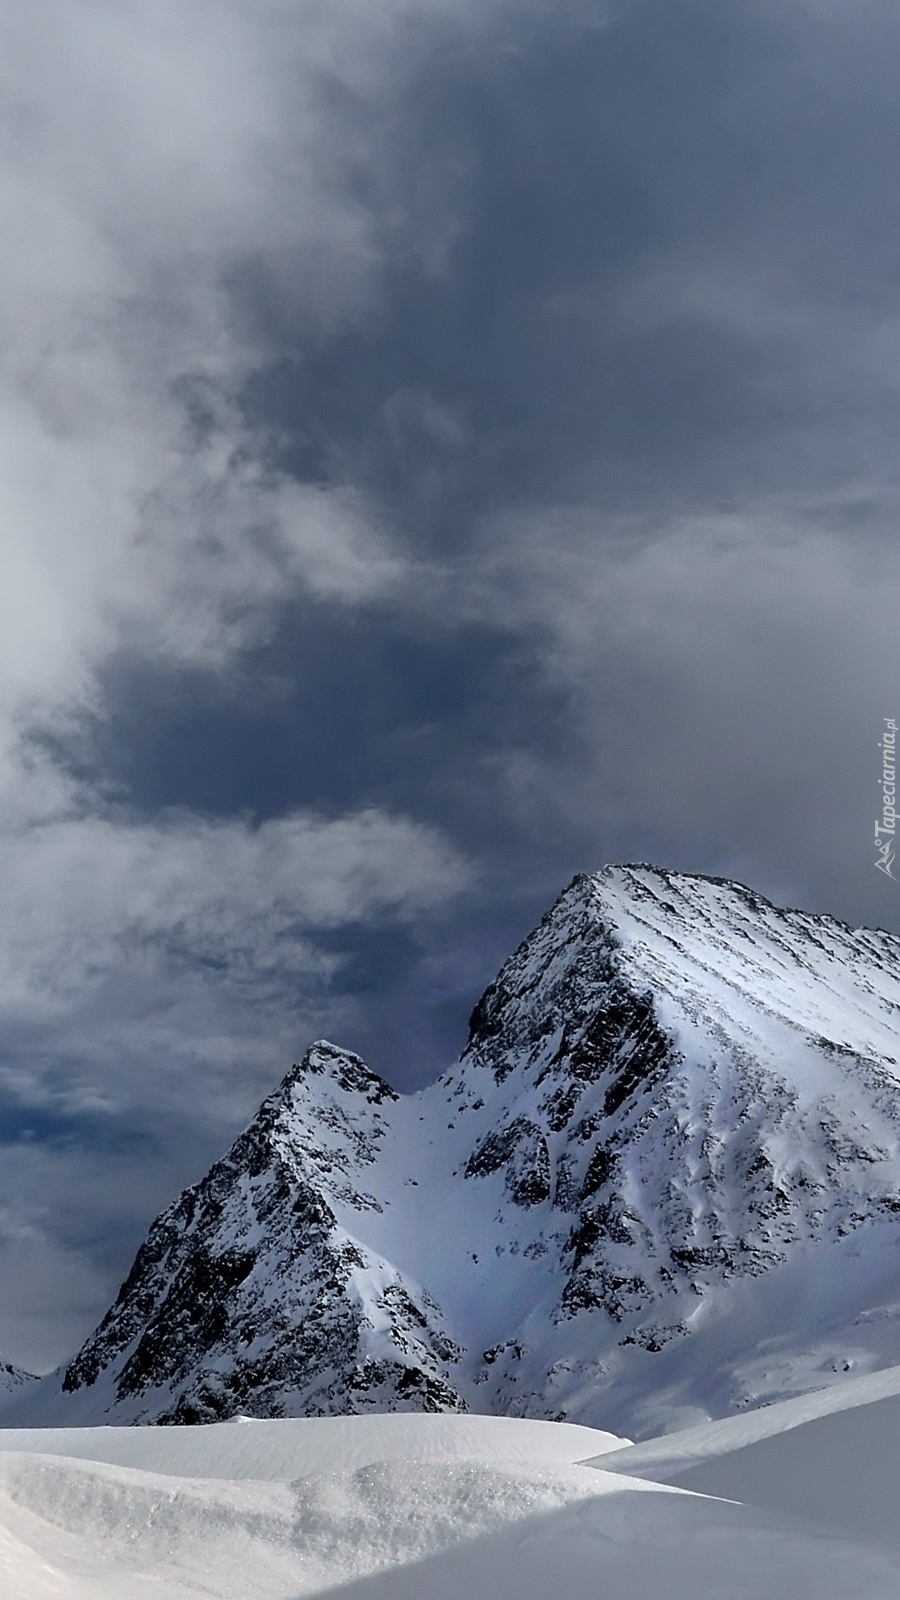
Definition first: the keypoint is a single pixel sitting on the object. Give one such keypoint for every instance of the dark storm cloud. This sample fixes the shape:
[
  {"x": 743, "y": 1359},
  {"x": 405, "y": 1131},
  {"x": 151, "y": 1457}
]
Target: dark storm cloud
[
  {"x": 497, "y": 435},
  {"x": 675, "y": 248},
  {"x": 653, "y": 337},
  {"x": 645, "y": 414}
]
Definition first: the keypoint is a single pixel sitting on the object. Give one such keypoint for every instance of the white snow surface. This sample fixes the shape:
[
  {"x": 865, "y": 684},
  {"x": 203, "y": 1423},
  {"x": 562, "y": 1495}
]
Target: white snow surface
[
  {"x": 387, "y": 1507},
  {"x": 830, "y": 1456},
  {"x": 294, "y": 1447}
]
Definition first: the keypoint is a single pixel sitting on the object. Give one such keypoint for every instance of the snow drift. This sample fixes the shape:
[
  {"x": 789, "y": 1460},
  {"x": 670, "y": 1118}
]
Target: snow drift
[{"x": 429, "y": 1507}]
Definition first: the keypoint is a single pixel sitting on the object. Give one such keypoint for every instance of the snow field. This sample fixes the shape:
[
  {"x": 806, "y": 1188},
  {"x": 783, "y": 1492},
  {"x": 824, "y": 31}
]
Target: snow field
[
  {"x": 832, "y": 1457},
  {"x": 282, "y": 1450},
  {"x": 79, "y": 1527},
  {"x": 437, "y": 1507}
]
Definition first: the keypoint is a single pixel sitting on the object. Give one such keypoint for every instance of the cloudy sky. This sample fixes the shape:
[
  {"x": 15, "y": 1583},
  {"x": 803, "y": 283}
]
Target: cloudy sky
[{"x": 445, "y": 445}]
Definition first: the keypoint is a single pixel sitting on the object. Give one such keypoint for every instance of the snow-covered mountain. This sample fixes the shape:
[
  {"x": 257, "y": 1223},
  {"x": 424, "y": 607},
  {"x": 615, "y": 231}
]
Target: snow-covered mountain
[
  {"x": 662, "y": 1182},
  {"x": 14, "y": 1380},
  {"x": 257, "y": 1291}
]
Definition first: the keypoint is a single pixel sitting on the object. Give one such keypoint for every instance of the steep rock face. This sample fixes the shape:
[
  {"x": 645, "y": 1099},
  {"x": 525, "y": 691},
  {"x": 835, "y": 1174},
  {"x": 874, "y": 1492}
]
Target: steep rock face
[
  {"x": 690, "y": 1122},
  {"x": 662, "y": 1180},
  {"x": 685, "y": 1087},
  {"x": 248, "y": 1294}
]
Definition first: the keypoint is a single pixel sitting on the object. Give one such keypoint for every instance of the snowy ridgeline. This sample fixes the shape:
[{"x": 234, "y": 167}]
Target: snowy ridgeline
[
  {"x": 800, "y": 1501},
  {"x": 661, "y": 1184}
]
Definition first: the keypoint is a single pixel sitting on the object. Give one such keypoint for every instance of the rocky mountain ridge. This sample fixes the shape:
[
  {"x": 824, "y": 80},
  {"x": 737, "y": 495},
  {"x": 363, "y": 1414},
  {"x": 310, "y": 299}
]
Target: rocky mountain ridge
[{"x": 662, "y": 1181}]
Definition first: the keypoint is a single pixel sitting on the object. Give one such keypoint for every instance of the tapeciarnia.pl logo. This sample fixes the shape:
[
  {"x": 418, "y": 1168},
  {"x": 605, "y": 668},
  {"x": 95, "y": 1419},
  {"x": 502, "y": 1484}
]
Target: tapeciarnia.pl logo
[{"x": 885, "y": 829}]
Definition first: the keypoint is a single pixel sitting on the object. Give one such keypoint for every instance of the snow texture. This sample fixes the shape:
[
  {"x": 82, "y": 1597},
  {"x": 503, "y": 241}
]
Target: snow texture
[
  {"x": 661, "y": 1184},
  {"x": 429, "y": 1507}
]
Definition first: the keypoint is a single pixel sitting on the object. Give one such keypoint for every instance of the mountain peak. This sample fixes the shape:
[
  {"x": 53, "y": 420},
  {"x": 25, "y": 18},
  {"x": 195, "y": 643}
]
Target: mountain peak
[
  {"x": 344, "y": 1070},
  {"x": 677, "y": 1111}
]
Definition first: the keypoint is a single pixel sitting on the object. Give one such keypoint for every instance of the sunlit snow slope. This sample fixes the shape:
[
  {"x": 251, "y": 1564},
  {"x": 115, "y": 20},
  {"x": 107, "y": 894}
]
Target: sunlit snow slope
[
  {"x": 387, "y": 1507},
  {"x": 662, "y": 1183}
]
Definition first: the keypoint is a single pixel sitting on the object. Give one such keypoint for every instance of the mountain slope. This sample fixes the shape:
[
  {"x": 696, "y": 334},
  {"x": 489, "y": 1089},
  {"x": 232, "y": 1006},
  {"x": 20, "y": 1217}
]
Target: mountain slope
[
  {"x": 14, "y": 1381},
  {"x": 685, "y": 1089},
  {"x": 249, "y": 1292},
  {"x": 662, "y": 1181}
]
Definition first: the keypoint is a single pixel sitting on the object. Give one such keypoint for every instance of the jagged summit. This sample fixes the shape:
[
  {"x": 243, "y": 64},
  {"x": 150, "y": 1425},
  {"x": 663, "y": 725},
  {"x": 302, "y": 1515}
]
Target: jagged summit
[
  {"x": 251, "y": 1294},
  {"x": 676, "y": 932},
  {"x": 344, "y": 1069},
  {"x": 662, "y": 1179}
]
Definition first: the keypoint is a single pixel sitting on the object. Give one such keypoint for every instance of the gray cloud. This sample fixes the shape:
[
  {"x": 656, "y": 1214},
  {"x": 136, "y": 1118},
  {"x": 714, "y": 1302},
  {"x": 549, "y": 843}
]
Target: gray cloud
[
  {"x": 726, "y": 680},
  {"x": 163, "y": 967}
]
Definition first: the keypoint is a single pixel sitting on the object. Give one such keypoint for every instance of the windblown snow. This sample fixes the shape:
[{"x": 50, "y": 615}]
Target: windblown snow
[
  {"x": 661, "y": 1184},
  {"x": 424, "y": 1507}
]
